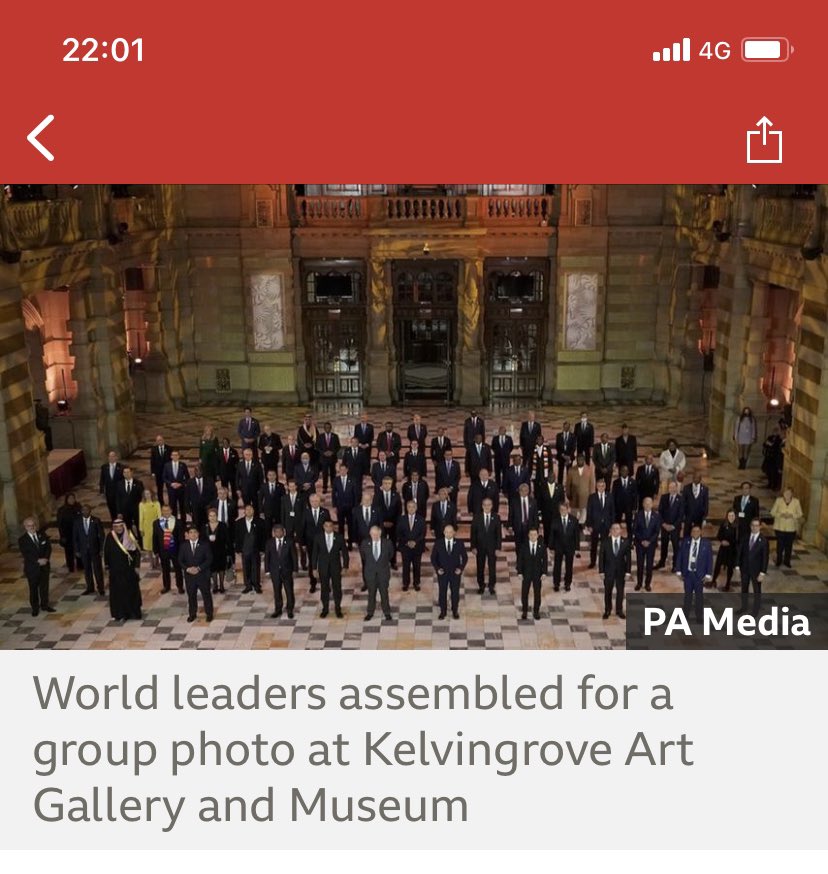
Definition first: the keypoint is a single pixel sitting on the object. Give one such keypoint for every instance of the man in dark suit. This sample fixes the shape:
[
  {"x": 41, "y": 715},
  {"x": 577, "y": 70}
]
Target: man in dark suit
[
  {"x": 226, "y": 510},
  {"x": 381, "y": 469},
  {"x": 364, "y": 432},
  {"x": 195, "y": 559},
  {"x": 228, "y": 462},
  {"x": 375, "y": 552},
  {"x": 279, "y": 565},
  {"x": 517, "y": 474},
  {"x": 414, "y": 460},
  {"x": 293, "y": 518},
  {"x": 626, "y": 449},
  {"x": 473, "y": 425},
  {"x": 411, "y": 533},
  {"x": 175, "y": 477},
  {"x": 615, "y": 564},
  {"x": 443, "y": 512},
  {"x": 549, "y": 497},
  {"x": 307, "y": 436},
  {"x": 417, "y": 431},
  {"x": 36, "y": 549},
  {"x": 329, "y": 557},
  {"x": 625, "y": 498},
  {"x": 314, "y": 520},
  {"x": 695, "y": 568},
  {"x": 478, "y": 456},
  {"x": 565, "y": 450},
  {"x": 249, "y": 431},
  {"x": 696, "y": 497},
  {"x": 502, "y": 446},
  {"x": 480, "y": 489},
  {"x": 270, "y": 501},
  {"x": 364, "y": 518},
  {"x": 166, "y": 540},
  {"x": 201, "y": 492},
  {"x": 346, "y": 495},
  {"x": 417, "y": 490},
  {"x": 604, "y": 456},
  {"x": 646, "y": 529},
  {"x": 248, "y": 539},
  {"x": 533, "y": 566},
  {"x": 447, "y": 475},
  {"x": 671, "y": 510},
  {"x": 388, "y": 505},
  {"x": 449, "y": 558},
  {"x": 486, "y": 542},
  {"x": 306, "y": 475},
  {"x": 291, "y": 457},
  {"x": 647, "y": 479},
  {"x": 111, "y": 474},
  {"x": 249, "y": 479},
  {"x": 128, "y": 494},
  {"x": 530, "y": 430},
  {"x": 584, "y": 436},
  {"x": 599, "y": 518},
  {"x": 159, "y": 456},
  {"x": 390, "y": 442},
  {"x": 439, "y": 445},
  {"x": 327, "y": 448},
  {"x": 351, "y": 459},
  {"x": 523, "y": 515},
  {"x": 753, "y": 564},
  {"x": 88, "y": 535},
  {"x": 566, "y": 540},
  {"x": 541, "y": 463},
  {"x": 746, "y": 508}
]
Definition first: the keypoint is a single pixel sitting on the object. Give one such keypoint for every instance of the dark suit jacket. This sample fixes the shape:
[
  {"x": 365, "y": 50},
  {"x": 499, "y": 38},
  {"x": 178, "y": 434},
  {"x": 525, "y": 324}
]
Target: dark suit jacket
[
  {"x": 31, "y": 552},
  {"x": 376, "y": 570},
  {"x": 648, "y": 484},
  {"x": 352, "y": 459},
  {"x": 625, "y": 499},
  {"x": 533, "y": 567},
  {"x": 322, "y": 447},
  {"x": 671, "y": 514},
  {"x": 642, "y": 531},
  {"x": 565, "y": 446},
  {"x": 477, "y": 494},
  {"x": 603, "y": 465},
  {"x": 476, "y": 461},
  {"x": 565, "y": 540},
  {"x": 436, "y": 451},
  {"x": 361, "y": 529},
  {"x": 303, "y": 477},
  {"x": 516, "y": 523},
  {"x": 451, "y": 563},
  {"x": 240, "y": 539},
  {"x": 751, "y": 512},
  {"x": 483, "y": 539},
  {"x": 329, "y": 562},
  {"x": 390, "y": 445},
  {"x": 107, "y": 483},
  {"x": 279, "y": 561},
  {"x": 584, "y": 436},
  {"x": 439, "y": 520},
  {"x": 311, "y": 529},
  {"x": 198, "y": 503},
  {"x": 615, "y": 567},
  {"x": 377, "y": 474},
  {"x": 201, "y": 559},
  {"x": 406, "y": 533},
  {"x": 158, "y": 460},
  {"x": 127, "y": 504},
  {"x": 248, "y": 484},
  {"x": 182, "y": 476},
  {"x": 696, "y": 509},
  {"x": 449, "y": 479},
  {"x": 549, "y": 502},
  {"x": 423, "y": 492},
  {"x": 90, "y": 544},
  {"x": 514, "y": 479},
  {"x": 270, "y": 506},
  {"x": 415, "y": 462},
  {"x": 421, "y": 438},
  {"x": 597, "y": 518},
  {"x": 365, "y": 435},
  {"x": 502, "y": 455},
  {"x": 753, "y": 562},
  {"x": 626, "y": 452},
  {"x": 390, "y": 513},
  {"x": 529, "y": 436},
  {"x": 704, "y": 561},
  {"x": 227, "y": 469},
  {"x": 471, "y": 428},
  {"x": 232, "y": 511},
  {"x": 273, "y": 440},
  {"x": 290, "y": 463},
  {"x": 248, "y": 431},
  {"x": 294, "y": 524},
  {"x": 345, "y": 499},
  {"x": 158, "y": 538}
]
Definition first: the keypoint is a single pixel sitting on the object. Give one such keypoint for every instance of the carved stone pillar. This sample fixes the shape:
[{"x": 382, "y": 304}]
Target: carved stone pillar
[
  {"x": 154, "y": 377},
  {"x": 170, "y": 278},
  {"x": 381, "y": 366},
  {"x": 470, "y": 334}
]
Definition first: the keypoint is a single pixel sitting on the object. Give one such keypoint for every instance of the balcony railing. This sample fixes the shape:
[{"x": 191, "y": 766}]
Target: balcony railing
[
  {"x": 41, "y": 223},
  {"x": 709, "y": 208},
  {"x": 785, "y": 220},
  {"x": 137, "y": 213},
  {"x": 456, "y": 210}
]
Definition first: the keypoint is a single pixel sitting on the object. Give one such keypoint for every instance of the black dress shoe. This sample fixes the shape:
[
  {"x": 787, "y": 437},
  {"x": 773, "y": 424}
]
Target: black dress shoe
[
  {"x": 35, "y": 612},
  {"x": 221, "y": 590},
  {"x": 442, "y": 615},
  {"x": 567, "y": 588},
  {"x": 369, "y": 617},
  {"x": 591, "y": 565},
  {"x": 163, "y": 591},
  {"x": 660, "y": 566},
  {"x": 313, "y": 588},
  {"x": 523, "y": 614},
  {"x": 648, "y": 588},
  {"x": 556, "y": 588},
  {"x": 491, "y": 591},
  {"x": 606, "y": 616},
  {"x": 290, "y": 614},
  {"x": 247, "y": 589},
  {"x": 191, "y": 619},
  {"x": 455, "y": 614},
  {"x": 48, "y": 609},
  {"x": 621, "y": 614},
  {"x": 210, "y": 618},
  {"x": 338, "y": 613},
  {"x": 405, "y": 588},
  {"x": 416, "y": 587},
  {"x": 276, "y": 614},
  {"x": 258, "y": 590},
  {"x": 324, "y": 613},
  {"x": 88, "y": 592},
  {"x": 536, "y": 614},
  {"x": 638, "y": 587},
  {"x": 387, "y": 617},
  {"x": 481, "y": 590},
  {"x": 180, "y": 590},
  {"x": 215, "y": 590},
  {"x": 364, "y": 589},
  {"x": 577, "y": 555}
]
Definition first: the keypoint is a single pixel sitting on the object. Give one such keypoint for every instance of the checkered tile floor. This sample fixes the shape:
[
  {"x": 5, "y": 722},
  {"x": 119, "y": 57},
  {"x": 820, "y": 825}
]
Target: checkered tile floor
[{"x": 568, "y": 620}]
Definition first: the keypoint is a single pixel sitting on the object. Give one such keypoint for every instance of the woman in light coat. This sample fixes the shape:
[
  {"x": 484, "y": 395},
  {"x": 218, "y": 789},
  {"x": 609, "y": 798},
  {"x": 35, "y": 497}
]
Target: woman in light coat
[
  {"x": 671, "y": 464},
  {"x": 787, "y": 518},
  {"x": 745, "y": 435}
]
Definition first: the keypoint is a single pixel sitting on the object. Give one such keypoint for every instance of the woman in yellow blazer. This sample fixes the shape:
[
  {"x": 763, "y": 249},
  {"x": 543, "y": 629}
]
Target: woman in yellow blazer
[
  {"x": 787, "y": 518},
  {"x": 148, "y": 511}
]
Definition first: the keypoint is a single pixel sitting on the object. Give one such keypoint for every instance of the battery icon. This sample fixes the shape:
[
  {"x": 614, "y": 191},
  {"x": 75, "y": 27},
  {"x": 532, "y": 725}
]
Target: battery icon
[{"x": 766, "y": 48}]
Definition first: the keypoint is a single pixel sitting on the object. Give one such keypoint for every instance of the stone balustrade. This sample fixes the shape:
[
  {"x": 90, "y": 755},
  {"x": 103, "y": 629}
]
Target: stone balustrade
[
  {"x": 784, "y": 220},
  {"x": 39, "y": 224}
]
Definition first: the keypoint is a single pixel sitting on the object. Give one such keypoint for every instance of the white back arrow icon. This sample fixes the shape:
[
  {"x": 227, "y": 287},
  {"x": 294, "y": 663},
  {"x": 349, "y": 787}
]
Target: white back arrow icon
[{"x": 32, "y": 138}]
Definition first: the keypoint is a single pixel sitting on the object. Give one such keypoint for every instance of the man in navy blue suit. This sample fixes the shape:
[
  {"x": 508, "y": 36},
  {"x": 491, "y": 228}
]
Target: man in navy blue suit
[
  {"x": 515, "y": 476},
  {"x": 502, "y": 446},
  {"x": 645, "y": 535},
  {"x": 448, "y": 558},
  {"x": 249, "y": 431},
  {"x": 696, "y": 503},
  {"x": 695, "y": 567},
  {"x": 346, "y": 496},
  {"x": 671, "y": 510}
]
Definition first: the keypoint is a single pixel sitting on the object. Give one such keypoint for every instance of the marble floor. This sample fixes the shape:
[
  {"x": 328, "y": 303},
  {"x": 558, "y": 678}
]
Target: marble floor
[{"x": 570, "y": 620}]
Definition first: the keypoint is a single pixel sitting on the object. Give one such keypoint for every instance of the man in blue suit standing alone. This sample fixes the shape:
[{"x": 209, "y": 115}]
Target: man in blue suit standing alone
[{"x": 695, "y": 567}]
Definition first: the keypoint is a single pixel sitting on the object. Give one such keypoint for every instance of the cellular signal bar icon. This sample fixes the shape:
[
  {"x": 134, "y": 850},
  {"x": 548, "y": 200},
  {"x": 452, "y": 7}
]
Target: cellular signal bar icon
[{"x": 680, "y": 52}]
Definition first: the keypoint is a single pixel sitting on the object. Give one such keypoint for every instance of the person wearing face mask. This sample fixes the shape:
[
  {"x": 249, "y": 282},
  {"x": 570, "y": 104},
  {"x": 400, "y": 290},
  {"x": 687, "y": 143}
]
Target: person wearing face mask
[{"x": 584, "y": 437}]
